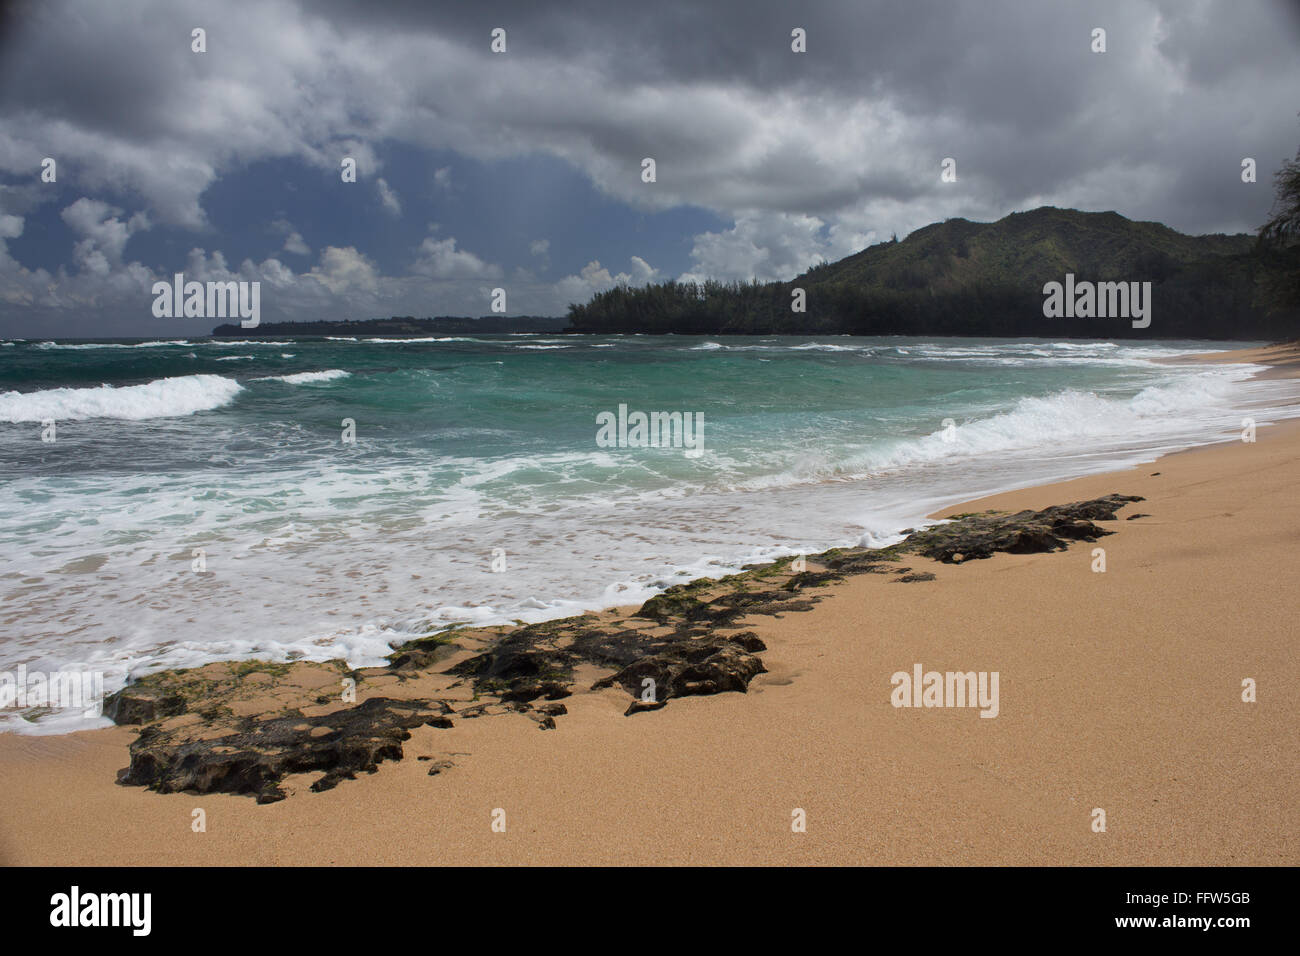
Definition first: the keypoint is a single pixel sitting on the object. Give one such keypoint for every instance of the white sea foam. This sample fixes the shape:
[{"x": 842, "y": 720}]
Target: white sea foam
[
  {"x": 432, "y": 338},
  {"x": 163, "y": 398},
  {"x": 1204, "y": 406},
  {"x": 1064, "y": 421},
  {"x": 227, "y": 343},
  {"x": 80, "y": 346},
  {"x": 306, "y": 378},
  {"x": 828, "y": 347}
]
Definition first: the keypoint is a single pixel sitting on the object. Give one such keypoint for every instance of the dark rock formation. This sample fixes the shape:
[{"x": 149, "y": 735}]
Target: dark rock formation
[
  {"x": 525, "y": 664},
  {"x": 915, "y": 576},
  {"x": 1026, "y": 532},
  {"x": 538, "y": 660},
  {"x": 704, "y": 665},
  {"x": 809, "y": 579},
  {"x": 640, "y": 706},
  {"x": 423, "y": 652},
  {"x": 257, "y": 757},
  {"x": 725, "y": 609},
  {"x": 676, "y": 602},
  {"x": 142, "y": 704},
  {"x": 862, "y": 561},
  {"x": 682, "y": 603}
]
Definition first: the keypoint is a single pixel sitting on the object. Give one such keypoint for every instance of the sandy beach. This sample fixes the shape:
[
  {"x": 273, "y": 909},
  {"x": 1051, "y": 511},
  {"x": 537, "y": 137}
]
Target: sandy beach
[{"x": 1119, "y": 690}]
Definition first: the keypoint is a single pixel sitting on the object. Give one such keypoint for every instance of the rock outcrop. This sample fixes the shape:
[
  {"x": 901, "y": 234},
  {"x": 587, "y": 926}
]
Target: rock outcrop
[
  {"x": 257, "y": 757},
  {"x": 679, "y": 643}
]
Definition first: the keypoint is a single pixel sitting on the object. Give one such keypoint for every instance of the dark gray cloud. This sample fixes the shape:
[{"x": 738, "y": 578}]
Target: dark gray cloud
[{"x": 811, "y": 155}]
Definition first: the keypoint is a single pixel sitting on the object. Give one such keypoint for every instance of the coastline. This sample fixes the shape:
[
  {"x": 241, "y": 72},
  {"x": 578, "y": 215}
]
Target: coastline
[
  {"x": 1283, "y": 360},
  {"x": 819, "y": 483},
  {"x": 1119, "y": 690}
]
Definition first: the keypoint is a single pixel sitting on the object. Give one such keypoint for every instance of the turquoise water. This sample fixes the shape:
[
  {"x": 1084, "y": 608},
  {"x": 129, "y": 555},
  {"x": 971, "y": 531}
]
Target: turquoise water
[{"x": 476, "y": 489}]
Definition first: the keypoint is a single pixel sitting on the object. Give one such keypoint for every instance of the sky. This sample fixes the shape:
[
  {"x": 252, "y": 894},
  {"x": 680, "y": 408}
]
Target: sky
[{"x": 522, "y": 170}]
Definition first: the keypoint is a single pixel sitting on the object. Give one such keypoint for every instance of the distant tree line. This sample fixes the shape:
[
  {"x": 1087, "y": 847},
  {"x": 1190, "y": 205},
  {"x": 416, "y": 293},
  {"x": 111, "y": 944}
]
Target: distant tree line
[
  {"x": 1215, "y": 298},
  {"x": 400, "y": 325}
]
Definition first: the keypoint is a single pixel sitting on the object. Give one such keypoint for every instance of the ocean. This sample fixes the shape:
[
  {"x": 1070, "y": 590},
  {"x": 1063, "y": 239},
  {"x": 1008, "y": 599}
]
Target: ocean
[{"x": 200, "y": 500}]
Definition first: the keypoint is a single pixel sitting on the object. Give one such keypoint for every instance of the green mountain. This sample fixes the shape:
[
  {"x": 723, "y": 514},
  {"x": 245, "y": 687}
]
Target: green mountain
[{"x": 969, "y": 278}]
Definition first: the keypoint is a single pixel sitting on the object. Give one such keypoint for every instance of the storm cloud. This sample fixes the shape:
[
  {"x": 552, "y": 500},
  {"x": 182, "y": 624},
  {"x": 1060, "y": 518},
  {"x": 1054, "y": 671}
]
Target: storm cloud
[{"x": 801, "y": 156}]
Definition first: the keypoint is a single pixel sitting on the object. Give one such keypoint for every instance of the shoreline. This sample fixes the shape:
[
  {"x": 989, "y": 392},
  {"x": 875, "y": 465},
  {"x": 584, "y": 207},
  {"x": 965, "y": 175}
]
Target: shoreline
[
  {"x": 1282, "y": 359},
  {"x": 287, "y": 638},
  {"x": 827, "y": 744}
]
